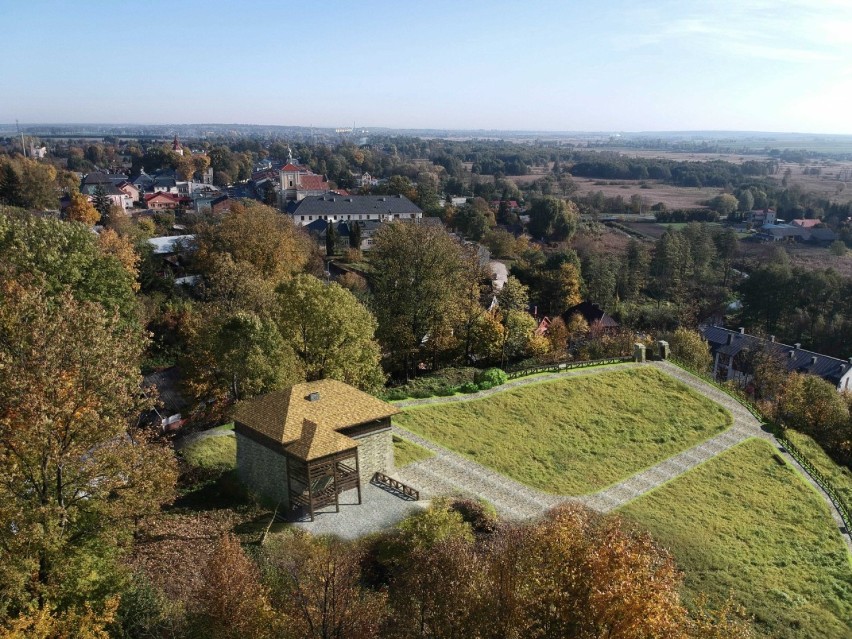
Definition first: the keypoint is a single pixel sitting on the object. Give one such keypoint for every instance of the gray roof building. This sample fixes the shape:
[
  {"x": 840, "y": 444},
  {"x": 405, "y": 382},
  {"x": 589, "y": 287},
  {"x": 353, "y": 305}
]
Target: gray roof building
[
  {"x": 727, "y": 347},
  {"x": 346, "y": 208}
]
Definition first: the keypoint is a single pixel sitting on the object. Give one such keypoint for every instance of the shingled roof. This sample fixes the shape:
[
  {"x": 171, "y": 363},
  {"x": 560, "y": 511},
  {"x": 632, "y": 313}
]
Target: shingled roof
[
  {"x": 795, "y": 358},
  {"x": 305, "y": 418},
  {"x": 332, "y": 204}
]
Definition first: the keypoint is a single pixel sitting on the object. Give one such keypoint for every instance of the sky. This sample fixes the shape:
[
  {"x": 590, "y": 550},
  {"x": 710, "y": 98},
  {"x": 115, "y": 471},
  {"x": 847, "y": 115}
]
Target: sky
[{"x": 606, "y": 65}]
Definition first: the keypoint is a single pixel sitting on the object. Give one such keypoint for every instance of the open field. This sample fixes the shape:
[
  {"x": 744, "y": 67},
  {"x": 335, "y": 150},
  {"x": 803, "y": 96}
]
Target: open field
[
  {"x": 812, "y": 258},
  {"x": 746, "y": 524},
  {"x": 674, "y": 197},
  {"x": 578, "y": 435},
  {"x": 406, "y": 452}
]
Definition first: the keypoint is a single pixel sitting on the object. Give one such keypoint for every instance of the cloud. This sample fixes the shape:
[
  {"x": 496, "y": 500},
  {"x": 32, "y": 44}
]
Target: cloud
[{"x": 793, "y": 31}]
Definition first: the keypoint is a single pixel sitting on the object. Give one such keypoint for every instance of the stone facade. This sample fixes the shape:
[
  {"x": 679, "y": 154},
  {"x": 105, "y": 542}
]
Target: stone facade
[
  {"x": 375, "y": 453},
  {"x": 262, "y": 470}
]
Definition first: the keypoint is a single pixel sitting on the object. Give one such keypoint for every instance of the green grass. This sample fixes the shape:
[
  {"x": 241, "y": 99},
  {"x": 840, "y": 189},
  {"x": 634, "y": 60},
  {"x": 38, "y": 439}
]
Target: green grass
[
  {"x": 574, "y": 435},
  {"x": 406, "y": 452},
  {"x": 747, "y": 524},
  {"x": 213, "y": 452},
  {"x": 840, "y": 476}
]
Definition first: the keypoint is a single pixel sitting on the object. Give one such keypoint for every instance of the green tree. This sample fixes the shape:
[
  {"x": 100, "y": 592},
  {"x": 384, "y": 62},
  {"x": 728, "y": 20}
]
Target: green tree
[
  {"x": 514, "y": 296},
  {"x": 11, "y": 190},
  {"x": 837, "y": 248},
  {"x": 330, "y": 239},
  {"x": 690, "y": 347},
  {"x": 553, "y": 219},
  {"x": 331, "y": 332},
  {"x": 355, "y": 235},
  {"x": 63, "y": 256},
  {"x": 724, "y": 204},
  {"x": 101, "y": 201},
  {"x": 418, "y": 279}
]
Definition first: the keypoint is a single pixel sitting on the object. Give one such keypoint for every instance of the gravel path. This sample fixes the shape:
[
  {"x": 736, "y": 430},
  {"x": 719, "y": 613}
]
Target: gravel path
[{"x": 449, "y": 473}]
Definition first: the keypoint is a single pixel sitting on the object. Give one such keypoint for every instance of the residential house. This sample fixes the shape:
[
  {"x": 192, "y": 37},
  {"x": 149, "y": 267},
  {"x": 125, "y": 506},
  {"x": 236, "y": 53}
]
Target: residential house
[
  {"x": 731, "y": 361},
  {"x": 806, "y": 224},
  {"x": 162, "y": 201},
  {"x": 116, "y": 196},
  {"x": 171, "y": 244},
  {"x": 221, "y": 204},
  {"x": 593, "y": 314},
  {"x": 759, "y": 217},
  {"x": 302, "y": 447},
  {"x": 130, "y": 190}
]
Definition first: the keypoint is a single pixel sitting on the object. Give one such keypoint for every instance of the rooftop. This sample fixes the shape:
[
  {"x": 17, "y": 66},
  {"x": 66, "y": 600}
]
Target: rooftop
[
  {"x": 305, "y": 418},
  {"x": 332, "y": 204}
]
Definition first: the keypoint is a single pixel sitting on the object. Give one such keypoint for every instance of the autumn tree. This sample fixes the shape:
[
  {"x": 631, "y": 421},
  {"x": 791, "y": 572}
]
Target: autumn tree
[
  {"x": 691, "y": 348},
  {"x": 812, "y": 405},
  {"x": 418, "y": 277},
  {"x": 513, "y": 296},
  {"x": 233, "y": 602},
  {"x": 120, "y": 247},
  {"x": 254, "y": 233},
  {"x": 315, "y": 589},
  {"x": 331, "y": 332},
  {"x": 75, "y": 473},
  {"x": 81, "y": 210}
]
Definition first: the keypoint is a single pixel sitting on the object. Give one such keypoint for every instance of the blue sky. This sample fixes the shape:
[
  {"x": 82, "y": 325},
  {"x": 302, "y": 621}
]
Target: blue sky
[{"x": 562, "y": 66}]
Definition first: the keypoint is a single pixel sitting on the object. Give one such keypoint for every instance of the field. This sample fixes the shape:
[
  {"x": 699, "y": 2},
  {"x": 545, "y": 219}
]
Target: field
[
  {"x": 840, "y": 476},
  {"x": 746, "y": 524},
  {"x": 406, "y": 452},
  {"x": 576, "y": 435}
]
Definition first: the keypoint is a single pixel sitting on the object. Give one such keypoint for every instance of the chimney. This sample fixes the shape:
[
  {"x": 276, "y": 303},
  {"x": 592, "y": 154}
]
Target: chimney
[
  {"x": 742, "y": 331},
  {"x": 314, "y": 397},
  {"x": 797, "y": 346},
  {"x": 792, "y": 354},
  {"x": 772, "y": 338},
  {"x": 730, "y": 338},
  {"x": 813, "y": 360}
]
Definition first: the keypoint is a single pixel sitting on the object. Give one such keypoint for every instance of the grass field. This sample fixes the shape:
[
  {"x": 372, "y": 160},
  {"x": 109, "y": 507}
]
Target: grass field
[
  {"x": 213, "y": 452},
  {"x": 747, "y": 524},
  {"x": 840, "y": 476},
  {"x": 406, "y": 452},
  {"x": 575, "y": 435}
]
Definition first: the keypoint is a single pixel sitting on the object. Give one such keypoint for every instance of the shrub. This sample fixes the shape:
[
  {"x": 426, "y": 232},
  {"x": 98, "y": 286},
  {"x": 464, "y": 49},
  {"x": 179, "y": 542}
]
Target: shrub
[
  {"x": 491, "y": 377},
  {"x": 480, "y": 514},
  {"x": 445, "y": 391},
  {"x": 469, "y": 387}
]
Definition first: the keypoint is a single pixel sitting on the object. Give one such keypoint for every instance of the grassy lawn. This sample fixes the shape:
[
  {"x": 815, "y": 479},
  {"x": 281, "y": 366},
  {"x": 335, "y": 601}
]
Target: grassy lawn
[
  {"x": 219, "y": 451},
  {"x": 574, "y": 435},
  {"x": 840, "y": 476},
  {"x": 406, "y": 452},
  {"x": 746, "y": 523}
]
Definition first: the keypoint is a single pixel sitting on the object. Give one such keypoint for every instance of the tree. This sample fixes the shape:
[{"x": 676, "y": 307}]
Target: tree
[
  {"x": 238, "y": 356},
  {"x": 691, "y": 348},
  {"x": 119, "y": 247},
  {"x": 725, "y": 204},
  {"x": 331, "y": 332},
  {"x": 11, "y": 190},
  {"x": 557, "y": 335},
  {"x": 561, "y": 288},
  {"x": 75, "y": 473},
  {"x": 62, "y": 256},
  {"x": 355, "y": 235},
  {"x": 254, "y": 233},
  {"x": 553, "y": 219},
  {"x": 418, "y": 278},
  {"x": 519, "y": 329},
  {"x": 81, "y": 210},
  {"x": 233, "y": 600},
  {"x": 330, "y": 239},
  {"x": 745, "y": 201},
  {"x": 514, "y": 296},
  {"x": 812, "y": 405},
  {"x": 101, "y": 201},
  {"x": 837, "y": 248},
  {"x": 315, "y": 587},
  {"x": 38, "y": 185}
]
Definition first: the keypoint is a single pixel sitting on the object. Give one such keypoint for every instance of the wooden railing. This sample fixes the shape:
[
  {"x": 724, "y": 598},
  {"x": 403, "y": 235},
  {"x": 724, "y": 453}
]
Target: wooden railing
[
  {"x": 556, "y": 367},
  {"x": 407, "y": 492}
]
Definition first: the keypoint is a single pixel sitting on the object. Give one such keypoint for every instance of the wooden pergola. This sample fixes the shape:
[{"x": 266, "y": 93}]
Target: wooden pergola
[{"x": 317, "y": 483}]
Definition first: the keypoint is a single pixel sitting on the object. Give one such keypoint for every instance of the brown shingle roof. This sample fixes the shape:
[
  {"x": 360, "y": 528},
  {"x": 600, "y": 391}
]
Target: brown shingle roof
[{"x": 308, "y": 428}]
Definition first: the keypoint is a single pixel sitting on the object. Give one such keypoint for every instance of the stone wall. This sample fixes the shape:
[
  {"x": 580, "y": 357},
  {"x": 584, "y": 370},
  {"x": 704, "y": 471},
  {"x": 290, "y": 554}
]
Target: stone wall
[
  {"x": 263, "y": 471},
  {"x": 375, "y": 453}
]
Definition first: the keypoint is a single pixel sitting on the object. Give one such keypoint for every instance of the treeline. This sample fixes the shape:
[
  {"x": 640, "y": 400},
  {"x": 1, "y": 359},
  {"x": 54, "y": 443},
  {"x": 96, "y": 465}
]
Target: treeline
[
  {"x": 716, "y": 173},
  {"x": 453, "y": 571}
]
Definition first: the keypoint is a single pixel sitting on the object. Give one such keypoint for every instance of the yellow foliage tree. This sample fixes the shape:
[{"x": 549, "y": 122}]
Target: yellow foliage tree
[
  {"x": 81, "y": 210},
  {"x": 111, "y": 243}
]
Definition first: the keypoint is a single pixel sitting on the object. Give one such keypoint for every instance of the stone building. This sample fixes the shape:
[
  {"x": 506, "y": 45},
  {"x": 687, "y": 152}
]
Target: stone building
[{"x": 303, "y": 446}]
